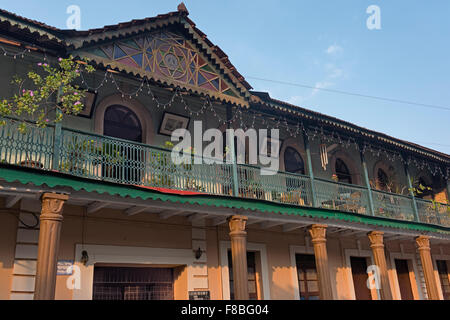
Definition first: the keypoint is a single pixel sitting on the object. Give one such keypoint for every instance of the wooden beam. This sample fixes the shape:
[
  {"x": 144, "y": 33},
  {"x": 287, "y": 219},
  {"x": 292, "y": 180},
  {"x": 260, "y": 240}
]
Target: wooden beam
[
  {"x": 253, "y": 221},
  {"x": 289, "y": 228},
  {"x": 346, "y": 232},
  {"x": 398, "y": 237},
  {"x": 167, "y": 215},
  {"x": 135, "y": 210},
  {"x": 197, "y": 216},
  {"x": 11, "y": 201},
  {"x": 268, "y": 225},
  {"x": 334, "y": 230},
  {"x": 219, "y": 221},
  {"x": 94, "y": 207}
]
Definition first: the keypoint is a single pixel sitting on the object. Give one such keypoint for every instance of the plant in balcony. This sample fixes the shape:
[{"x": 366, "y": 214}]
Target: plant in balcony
[
  {"x": 164, "y": 171},
  {"x": 253, "y": 189},
  {"x": 80, "y": 153}
]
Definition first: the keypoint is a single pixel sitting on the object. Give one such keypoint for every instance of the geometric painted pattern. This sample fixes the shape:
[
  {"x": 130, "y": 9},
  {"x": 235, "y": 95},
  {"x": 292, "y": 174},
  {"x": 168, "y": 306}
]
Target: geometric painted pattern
[{"x": 165, "y": 54}]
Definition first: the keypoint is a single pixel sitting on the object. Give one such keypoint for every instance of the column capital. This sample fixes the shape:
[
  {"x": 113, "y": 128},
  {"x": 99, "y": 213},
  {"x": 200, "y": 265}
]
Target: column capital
[
  {"x": 318, "y": 232},
  {"x": 376, "y": 239},
  {"x": 423, "y": 242},
  {"x": 52, "y": 204},
  {"x": 237, "y": 225}
]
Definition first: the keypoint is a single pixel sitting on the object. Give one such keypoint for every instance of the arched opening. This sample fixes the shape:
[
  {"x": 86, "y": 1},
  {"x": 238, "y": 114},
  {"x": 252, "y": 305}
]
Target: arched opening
[
  {"x": 120, "y": 161},
  {"x": 382, "y": 179},
  {"x": 293, "y": 161},
  {"x": 121, "y": 122},
  {"x": 342, "y": 171}
]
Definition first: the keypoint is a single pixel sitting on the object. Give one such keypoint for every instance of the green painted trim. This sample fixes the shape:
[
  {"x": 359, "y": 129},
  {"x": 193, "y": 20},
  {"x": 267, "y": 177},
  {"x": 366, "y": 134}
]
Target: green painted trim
[{"x": 55, "y": 179}]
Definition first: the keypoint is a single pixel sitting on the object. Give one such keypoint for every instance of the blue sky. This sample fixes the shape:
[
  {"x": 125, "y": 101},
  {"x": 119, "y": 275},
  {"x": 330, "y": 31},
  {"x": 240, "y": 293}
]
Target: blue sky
[{"x": 318, "y": 43}]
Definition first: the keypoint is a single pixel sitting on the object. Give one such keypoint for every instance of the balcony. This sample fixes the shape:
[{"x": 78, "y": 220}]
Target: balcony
[{"x": 119, "y": 161}]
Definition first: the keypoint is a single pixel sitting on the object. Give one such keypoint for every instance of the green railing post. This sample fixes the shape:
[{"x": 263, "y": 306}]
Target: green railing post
[
  {"x": 57, "y": 134},
  {"x": 230, "y": 137},
  {"x": 367, "y": 182},
  {"x": 411, "y": 191},
  {"x": 310, "y": 169}
]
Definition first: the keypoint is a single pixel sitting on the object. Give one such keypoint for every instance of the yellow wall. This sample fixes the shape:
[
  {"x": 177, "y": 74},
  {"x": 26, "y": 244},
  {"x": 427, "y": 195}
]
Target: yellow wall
[
  {"x": 111, "y": 227},
  {"x": 8, "y": 235}
]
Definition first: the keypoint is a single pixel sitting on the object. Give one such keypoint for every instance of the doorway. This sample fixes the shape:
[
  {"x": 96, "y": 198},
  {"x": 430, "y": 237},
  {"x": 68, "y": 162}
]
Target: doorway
[
  {"x": 122, "y": 162},
  {"x": 360, "y": 277},
  {"x": 444, "y": 277},
  {"x": 308, "y": 281},
  {"x": 253, "y": 276},
  {"x": 404, "y": 280},
  {"x": 129, "y": 283}
]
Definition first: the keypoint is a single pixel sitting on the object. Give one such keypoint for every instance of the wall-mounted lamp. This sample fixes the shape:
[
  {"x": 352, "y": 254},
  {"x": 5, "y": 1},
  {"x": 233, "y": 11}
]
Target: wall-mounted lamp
[
  {"x": 198, "y": 253},
  {"x": 84, "y": 257}
]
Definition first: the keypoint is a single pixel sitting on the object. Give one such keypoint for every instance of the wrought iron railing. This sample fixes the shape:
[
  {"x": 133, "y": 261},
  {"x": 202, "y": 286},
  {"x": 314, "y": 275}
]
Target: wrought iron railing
[
  {"x": 433, "y": 212},
  {"x": 278, "y": 187},
  {"x": 120, "y": 161},
  {"x": 32, "y": 149},
  {"x": 115, "y": 160},
  {"x": 394, "y": 206},
  {"x": 342, "y": 196}
]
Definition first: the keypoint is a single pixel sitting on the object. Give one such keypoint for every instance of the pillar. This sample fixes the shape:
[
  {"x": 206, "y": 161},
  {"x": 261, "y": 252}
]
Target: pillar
[
  {"x": 50, "y": 228},
  {"x": 238, "y": 237},
  {"x": 377, "y": 245},
  {"x": 318, "y": 235},
  {"x": 423, "y": 244}
]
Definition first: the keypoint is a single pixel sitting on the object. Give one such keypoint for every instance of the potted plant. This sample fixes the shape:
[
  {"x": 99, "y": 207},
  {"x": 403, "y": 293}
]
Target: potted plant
[{"x": 80, "y": 152}]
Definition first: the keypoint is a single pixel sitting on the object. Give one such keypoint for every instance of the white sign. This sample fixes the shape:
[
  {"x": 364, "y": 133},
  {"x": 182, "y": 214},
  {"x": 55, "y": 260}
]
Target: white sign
[{"x": 64, "y": 268}]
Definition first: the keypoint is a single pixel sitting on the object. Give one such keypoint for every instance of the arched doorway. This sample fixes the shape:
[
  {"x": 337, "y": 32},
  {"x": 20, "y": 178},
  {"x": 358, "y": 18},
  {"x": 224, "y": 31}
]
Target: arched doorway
[
  {"x": 342, "y": 171},
  {"x": 121, "y": 122},
  {"x": 382, "y": 180},
  {"x": 293, "y": 161},
  {"x": 122, "y": 162}
]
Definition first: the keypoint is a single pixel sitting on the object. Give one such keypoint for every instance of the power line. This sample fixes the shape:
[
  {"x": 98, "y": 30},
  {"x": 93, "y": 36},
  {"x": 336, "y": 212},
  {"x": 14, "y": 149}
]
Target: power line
[{"x": 353, "y": 94}]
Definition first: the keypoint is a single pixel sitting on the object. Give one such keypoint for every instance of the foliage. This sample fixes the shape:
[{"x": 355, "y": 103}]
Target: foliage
[
  {"x": 52, "y": 91},
  {"x": 167, "y": 170},
  {"x": 79, "y": 150}
]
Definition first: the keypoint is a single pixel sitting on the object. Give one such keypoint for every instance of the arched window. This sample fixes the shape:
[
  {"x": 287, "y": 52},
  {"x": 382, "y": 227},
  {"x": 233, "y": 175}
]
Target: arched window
[
  {"x": 121, "y": 122},
  {"x": 342, "y": 172},
  {"x": 383, "y": 180},
  {"x": 293, "y": 161}
]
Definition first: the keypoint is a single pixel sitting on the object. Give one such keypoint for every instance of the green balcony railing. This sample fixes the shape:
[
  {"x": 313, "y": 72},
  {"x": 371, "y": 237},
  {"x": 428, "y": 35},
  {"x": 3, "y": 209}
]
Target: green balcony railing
[
  {"x": 341, "y": 196},
  {"x": 120, "y": 161},
  {"x": 280, "y": 187},
  {"x": 115, "y": 160},
  {"x": 33, "y": 149},
  {"x": 393, "y": 206},
  {"x": 433, "y": 212}
]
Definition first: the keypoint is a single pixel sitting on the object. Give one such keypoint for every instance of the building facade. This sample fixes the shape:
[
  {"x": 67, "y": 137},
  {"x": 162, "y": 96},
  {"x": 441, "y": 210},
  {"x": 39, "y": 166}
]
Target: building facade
[{"x": 95, "y": 208}]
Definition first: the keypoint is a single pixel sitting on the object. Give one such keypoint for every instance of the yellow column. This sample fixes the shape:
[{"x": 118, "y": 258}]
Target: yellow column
[
  {"x": 423, "y": 244},
  {"x": 377, "y": 245},
  {"x": 50, "y": 228},
  {"x": 238, "y": 237},
  {"x": 318, "y": 235}
]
